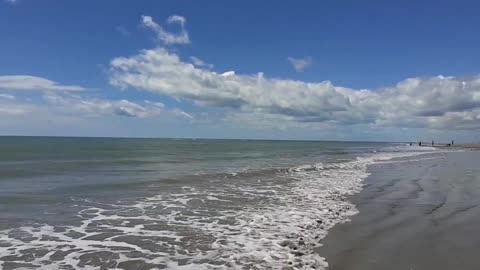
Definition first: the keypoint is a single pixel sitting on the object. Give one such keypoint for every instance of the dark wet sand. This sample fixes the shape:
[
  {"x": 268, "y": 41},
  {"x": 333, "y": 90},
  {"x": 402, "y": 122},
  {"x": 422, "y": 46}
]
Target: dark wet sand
[{"x": 414, "y": 215}]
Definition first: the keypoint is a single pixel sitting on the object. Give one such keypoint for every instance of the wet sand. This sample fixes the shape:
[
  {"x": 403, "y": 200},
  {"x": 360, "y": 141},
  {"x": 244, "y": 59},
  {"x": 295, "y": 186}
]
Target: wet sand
[
  {"x": 421, "y": 213},
  {"x": 456, "y": 146}
]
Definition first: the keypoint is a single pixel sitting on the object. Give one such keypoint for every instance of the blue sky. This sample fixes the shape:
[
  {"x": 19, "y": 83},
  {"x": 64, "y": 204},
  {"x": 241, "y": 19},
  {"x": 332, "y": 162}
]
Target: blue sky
[{"x": 372, "y": 45}]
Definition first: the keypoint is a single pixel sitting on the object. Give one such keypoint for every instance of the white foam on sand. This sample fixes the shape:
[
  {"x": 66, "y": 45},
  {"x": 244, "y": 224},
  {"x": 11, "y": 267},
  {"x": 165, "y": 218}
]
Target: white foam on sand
[{"x": 268, "y": 224}]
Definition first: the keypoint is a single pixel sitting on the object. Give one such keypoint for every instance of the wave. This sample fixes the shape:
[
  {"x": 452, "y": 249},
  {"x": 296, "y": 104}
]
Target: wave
[{"x": 253, "y": 222}]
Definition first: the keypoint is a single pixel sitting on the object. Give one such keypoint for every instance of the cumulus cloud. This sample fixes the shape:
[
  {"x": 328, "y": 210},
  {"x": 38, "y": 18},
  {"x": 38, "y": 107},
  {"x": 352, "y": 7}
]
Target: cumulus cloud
[
  {"x": 435, "y": 102},
  {"x": 166, "y": 37},
  {"x": 300, "y": 64},
  {"x": 24, "y": 82},
  {"x": 200, "y": 63},
  {"x": 164, "y": 73}
]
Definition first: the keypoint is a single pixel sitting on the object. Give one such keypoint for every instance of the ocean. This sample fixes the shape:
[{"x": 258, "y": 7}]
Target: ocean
[{"x": 104, "y": 203}]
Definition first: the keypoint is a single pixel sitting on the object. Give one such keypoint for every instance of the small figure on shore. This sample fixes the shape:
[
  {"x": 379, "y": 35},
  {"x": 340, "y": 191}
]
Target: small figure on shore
[
  {"x": 452, "y": 142},
  {"x": 433, "y": 142},
  {"x": 419, "y": 143},
  {"x": 411, "y": 144}
]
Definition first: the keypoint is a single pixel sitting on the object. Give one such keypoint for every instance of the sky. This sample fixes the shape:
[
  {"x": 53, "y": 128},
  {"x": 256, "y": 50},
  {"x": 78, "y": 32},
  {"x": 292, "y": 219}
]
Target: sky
[{"x": 307, "y": 70}]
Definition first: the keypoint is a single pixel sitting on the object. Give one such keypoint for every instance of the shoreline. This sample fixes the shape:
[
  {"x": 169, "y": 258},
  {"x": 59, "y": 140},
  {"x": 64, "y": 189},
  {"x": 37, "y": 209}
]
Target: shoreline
[
  {"x": 417, "y": 213},
  {"x": 456, "y": 146}
]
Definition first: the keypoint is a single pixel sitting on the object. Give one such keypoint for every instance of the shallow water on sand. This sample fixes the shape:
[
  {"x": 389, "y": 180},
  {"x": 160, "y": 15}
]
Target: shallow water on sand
[{"x": 78, "y": 203}]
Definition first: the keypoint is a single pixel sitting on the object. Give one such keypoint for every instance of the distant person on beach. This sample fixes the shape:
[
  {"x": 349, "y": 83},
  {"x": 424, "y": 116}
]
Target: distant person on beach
[
  {"x": 419, "y": 143},
  {"x": 433, "y": 143},
  {"x": 452, "y": 142}
]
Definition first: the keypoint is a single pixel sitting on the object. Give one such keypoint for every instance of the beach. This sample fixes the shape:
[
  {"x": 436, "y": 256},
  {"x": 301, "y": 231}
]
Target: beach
[
  {"x": 416, "y": 213},
  {"x": 96, "y": 203}
]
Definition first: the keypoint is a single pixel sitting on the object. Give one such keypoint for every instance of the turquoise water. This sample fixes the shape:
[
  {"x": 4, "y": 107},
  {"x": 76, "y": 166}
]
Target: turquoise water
[{"x": 103, "y": 203}]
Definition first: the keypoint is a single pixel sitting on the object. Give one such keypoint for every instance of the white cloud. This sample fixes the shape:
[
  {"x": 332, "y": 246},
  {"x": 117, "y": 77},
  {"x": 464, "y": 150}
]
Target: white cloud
[
  {"x": 200, "y": 63},
  {"x": 165, "y": 36},
  {"x": 55, "y": 104},
  {"x": 182, "y": 114},
  {"x": 155, "y": 104},
  {"x": 24, "y": 82},
  {"x": 7, "y": 96},
  {"x": 11, "y": 1},
  {"x": 300, "y": 64},
  {"x": 122, "y": 30},
  {"x": 9, "y": 105},
  {"x": 99, "y": 107},
  {"x": 268, "y": 121},
  {"x": 232, "y": 73},
  {"x": 436, "y": 102},
  {"x": 162, "y": 72},
  {"x": 94, "y": 107},
  {"x": 11, "y": 110}
]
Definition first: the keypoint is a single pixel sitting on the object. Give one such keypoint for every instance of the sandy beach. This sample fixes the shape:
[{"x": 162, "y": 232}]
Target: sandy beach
[{"x": 421, "y": 213}]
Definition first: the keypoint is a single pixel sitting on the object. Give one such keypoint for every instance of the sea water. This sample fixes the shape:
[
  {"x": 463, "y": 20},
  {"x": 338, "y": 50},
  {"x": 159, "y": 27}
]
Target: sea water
[{"x": 103, "y": 203}]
